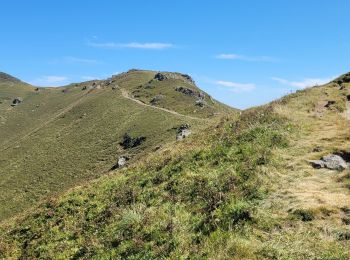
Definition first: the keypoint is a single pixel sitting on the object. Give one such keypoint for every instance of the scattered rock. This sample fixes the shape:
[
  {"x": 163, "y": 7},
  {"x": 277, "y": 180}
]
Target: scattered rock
[
  {"x": 343, "y": 79},
  {"x": 183, "y": 132},
  {"x": 64, "y": 90},
  {"x": 155, "y": 100},
  {"x": 330, "y": 103},
  {"x": 131, "y": 142},
  {"x": 346, "y": 221},
  {"x": 84, "y": 88},
  {"x": 160, "y": 76},
  {"x": 200, "y": 103},
  {"x": 332, "y": 162},
  {"x": 36, "y": 89},
  {"x": 188, "y": 78},
  {"x": 186, "y": 91},
  {"x": 16, "y": 101},
  {"x": 348, "y": 97},
  {"x": 317, "y": 149},
  {"x": 122, "y": 160}
]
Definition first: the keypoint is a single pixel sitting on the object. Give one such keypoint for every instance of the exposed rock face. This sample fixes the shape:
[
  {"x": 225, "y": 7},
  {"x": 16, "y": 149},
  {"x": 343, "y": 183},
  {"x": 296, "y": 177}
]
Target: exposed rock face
[
  {"x": 173, "y": 75},
  {"x": 343, "y": 79},
  {"x": 160, "y": 76},
  {"x": 131, "y": 142},
  {"x": 332, "y": 161},
  {"x": 188, "y": 78},
  {"x": 186, "y": 91},
  {"x": 183, "y": 132},
  {"x": 16, "y": 101}
]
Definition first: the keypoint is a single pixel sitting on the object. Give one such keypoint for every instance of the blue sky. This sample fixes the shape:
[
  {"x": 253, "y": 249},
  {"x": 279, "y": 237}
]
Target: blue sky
[{"x": 244, "y": 53}]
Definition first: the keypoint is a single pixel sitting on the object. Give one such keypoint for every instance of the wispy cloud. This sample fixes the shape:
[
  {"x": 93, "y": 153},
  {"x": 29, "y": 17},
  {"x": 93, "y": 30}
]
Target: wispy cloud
[
  {"x": 49, "y": 81},
  {"x": 307, "y": 82},
  {"x": 235, "y": 86},
  {"x": 231, "y": 56},
  {"x": 132, "y": 45}
]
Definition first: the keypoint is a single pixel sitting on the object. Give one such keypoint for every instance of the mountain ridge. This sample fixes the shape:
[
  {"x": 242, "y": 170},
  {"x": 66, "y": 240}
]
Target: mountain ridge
[
  {"x": 240, "y": 187},
  {"x": 57, "y": 137}
]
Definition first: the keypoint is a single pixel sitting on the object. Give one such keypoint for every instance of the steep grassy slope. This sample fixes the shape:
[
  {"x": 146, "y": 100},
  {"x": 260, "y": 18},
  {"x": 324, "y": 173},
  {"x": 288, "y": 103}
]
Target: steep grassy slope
[
  {"x": 185, "y": 201},
  {"x": 240, "y": 189},
  {"x": 59, "y": 137}
]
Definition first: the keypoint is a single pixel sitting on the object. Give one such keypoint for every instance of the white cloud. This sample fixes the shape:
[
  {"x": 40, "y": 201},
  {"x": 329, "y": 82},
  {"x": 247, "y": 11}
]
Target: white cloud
[
  {"x": 132, "y": 45},
  {"x": 308, "y": 82},
  {"x": 231, "y": 56},
  {"x": 236, "y": 87},
  {"x": 49, "y": 81}
]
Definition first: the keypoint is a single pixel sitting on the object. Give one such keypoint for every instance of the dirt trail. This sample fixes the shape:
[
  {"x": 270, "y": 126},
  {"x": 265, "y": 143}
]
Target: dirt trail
[
  {"x": 126, "y": 95},
  {"x": 303, "y": 187},
  {"x": 75, "y": 103}
]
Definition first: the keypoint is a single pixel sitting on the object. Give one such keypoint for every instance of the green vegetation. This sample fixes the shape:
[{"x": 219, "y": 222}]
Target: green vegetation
[
  {"x": 179, "y": 203},
  {"x": 61, "y": 137},
  {"x": 167, "y": 94},
  {"x": 240, "y": 187}
]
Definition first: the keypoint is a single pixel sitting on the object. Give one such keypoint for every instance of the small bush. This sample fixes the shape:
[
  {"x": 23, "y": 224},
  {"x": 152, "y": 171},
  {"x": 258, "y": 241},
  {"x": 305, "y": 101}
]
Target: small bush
[{"x": 304, "y": 214}]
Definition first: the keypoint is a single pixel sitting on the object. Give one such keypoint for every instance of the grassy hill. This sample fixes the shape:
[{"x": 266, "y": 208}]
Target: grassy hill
[
  {"x": 241, "y": 188},
  {"x": 57, "y": 138}
]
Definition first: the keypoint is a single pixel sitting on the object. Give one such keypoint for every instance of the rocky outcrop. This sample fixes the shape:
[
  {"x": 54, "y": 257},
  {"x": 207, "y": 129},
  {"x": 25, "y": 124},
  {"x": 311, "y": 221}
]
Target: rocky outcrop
[
  {"x": 173, "y": 75},
  {"x": 201, "y": 103},
  {"x": 183, "y": 132},
  {"x": 131, "y": 142},
  {"x": 186, "y": 91},
  {"x": 188, "y": 78},
  {"x": 16, "y": 101},
  {"x": 343, "y": 79},
  {"x": 160, "y": 76},
  {"x": 156, "y": 99},
  {"x": 332, "y": 162}
]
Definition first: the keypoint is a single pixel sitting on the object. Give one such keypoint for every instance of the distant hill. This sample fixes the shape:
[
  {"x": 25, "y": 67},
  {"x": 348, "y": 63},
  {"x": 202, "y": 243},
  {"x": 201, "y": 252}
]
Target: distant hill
[
  {"x": 272, "y": 182},
  {"x": 56, "y": 138},
  {"x": 4, "y": 77}
]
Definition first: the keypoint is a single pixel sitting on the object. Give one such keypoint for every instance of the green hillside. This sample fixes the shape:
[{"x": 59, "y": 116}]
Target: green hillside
[
  {"x": 57, "y": 138},
  {"x": 242, "y": 187}
]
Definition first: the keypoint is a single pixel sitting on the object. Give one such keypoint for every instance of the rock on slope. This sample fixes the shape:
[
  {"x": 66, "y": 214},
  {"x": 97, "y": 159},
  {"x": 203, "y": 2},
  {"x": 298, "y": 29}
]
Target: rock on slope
[
  {"x": 241, "y": 189},
  {"x": 56, "y": 138}
]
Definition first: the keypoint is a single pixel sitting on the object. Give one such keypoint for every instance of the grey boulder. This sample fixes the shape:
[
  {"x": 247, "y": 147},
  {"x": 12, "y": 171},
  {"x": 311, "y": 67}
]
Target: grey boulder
[{"x": 332, "y": 162}]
